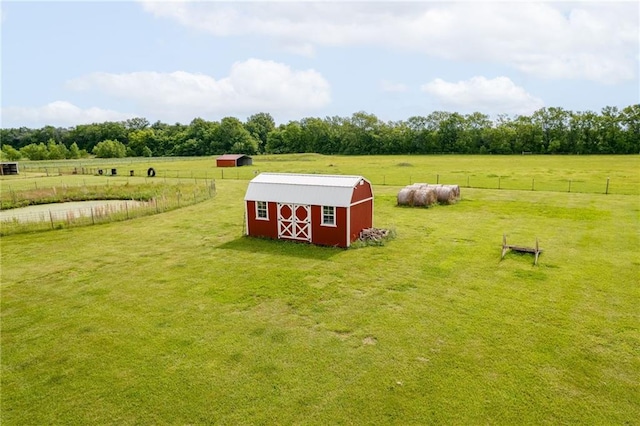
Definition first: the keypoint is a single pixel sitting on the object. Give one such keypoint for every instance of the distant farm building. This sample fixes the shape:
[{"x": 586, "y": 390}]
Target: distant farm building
[
  {"x": 233, "y": 160},
  {"x": 9, "y": 168},
  {"x": 327, "y": 210}
]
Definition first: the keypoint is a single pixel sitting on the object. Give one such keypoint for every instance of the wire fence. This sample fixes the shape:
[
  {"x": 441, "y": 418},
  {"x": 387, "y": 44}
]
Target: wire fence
[
  {"x": 585, "y": 184},
  {"x": 82, "y": 213}
]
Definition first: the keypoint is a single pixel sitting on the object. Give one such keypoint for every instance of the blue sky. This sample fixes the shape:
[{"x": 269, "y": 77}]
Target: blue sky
[{"x": 70, "y": 63}]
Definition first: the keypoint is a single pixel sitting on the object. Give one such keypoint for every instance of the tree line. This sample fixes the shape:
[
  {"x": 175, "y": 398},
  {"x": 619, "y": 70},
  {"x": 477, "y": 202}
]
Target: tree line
[{"x": 547, "y": 131}]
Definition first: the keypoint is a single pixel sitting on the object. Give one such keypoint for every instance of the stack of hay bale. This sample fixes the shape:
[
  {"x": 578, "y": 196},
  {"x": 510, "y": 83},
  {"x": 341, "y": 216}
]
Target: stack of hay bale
[{"x": 424, "y": 195}]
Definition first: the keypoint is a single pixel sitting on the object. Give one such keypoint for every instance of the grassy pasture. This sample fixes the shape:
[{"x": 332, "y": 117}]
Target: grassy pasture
[
  {"x": 586, "y": 174},
  {"x": 178, "y": 319}
]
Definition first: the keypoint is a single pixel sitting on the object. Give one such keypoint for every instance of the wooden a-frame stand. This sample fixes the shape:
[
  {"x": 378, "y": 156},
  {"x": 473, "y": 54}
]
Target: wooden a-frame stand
[{"x": 533, "y": 250}]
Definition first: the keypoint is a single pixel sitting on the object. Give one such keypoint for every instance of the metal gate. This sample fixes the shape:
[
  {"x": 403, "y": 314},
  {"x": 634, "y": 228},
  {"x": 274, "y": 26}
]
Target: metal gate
[{"x": 294, "y": 221}]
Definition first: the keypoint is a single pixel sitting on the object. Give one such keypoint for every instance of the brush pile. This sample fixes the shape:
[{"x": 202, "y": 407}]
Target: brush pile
[
  {"x": 375, "y": 235},
  {"x": 424, "y": 195}
]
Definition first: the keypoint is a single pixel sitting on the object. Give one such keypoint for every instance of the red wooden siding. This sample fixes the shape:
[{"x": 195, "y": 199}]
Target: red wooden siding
[
  {"x": 329, "y": 235},
  {"x": 225, "y": 163},
  {"x": 361, "y": 218},
  {"x": 361, "y": 192},
  {"x": 261, "y": 227}
]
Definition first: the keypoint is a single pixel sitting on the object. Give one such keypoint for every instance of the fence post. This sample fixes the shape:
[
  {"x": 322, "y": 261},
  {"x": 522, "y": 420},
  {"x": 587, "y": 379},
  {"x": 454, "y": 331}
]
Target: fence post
[
  {"x": 93, "y": 218},
  {"x": 437, "y": 179},
  {"x": 606, "y": 191},
  {"x": 569, "y": 185},
  {"x": 468, "y": 181},
  {"x": 533, "y": 182},
  {"x": 498, "y": 182},
  {"x": 51, "y": 219}
]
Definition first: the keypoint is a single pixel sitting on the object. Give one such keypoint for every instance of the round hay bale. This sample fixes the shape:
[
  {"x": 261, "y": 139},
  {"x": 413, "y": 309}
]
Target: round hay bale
[
  {"x": 432, "y": 196},
  {"x": 445, "y": 195},
  {"x": 424, "y": 197},
  {"x": 413, "y": 186},
  {"x": 420, "y": 197},
  {"x": 456, "y": 191},
  {"x": 405, "y": 196}
]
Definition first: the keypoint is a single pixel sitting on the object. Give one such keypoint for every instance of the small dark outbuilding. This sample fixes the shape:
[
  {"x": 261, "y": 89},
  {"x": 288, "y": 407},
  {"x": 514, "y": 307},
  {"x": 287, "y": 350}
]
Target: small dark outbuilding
[
  {"x": 8, "y": 168},
  {"x": 233, "y": 160}
]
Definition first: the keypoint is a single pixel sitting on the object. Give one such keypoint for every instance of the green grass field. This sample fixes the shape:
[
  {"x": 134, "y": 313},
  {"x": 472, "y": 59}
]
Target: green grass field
[
  {"x": 177, "y": 318},
  {"x": 585, "y": 174}
]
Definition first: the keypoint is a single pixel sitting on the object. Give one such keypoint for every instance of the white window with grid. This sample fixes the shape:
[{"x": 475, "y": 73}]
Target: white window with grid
[
  {"x": 262, "y": 212},
  {"x": 328, "y": 216}
]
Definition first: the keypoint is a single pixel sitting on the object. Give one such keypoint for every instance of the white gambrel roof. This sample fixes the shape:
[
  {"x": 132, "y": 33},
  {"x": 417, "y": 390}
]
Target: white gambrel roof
[{"x": 319, "y": 190}]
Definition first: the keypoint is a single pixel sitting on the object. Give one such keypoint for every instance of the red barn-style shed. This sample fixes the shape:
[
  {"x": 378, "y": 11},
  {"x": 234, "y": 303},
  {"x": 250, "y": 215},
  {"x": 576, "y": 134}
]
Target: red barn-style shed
[
  {"x": 328, "y": 210},
  {"x": 233, "y": 160}
]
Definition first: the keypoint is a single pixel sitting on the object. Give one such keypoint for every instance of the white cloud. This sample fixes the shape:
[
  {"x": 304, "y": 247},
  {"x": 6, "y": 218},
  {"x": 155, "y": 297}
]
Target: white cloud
[
  {"x": 498, "y": 95},
  {"x": 59, "y": 113},
  {"x": 592, "y": 40},
  {"x": 251, "y": 86}
]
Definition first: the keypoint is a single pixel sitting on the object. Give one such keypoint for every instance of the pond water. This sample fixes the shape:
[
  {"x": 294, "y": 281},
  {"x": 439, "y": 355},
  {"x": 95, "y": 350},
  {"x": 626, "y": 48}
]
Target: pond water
[{"x": 61, "y": 211}]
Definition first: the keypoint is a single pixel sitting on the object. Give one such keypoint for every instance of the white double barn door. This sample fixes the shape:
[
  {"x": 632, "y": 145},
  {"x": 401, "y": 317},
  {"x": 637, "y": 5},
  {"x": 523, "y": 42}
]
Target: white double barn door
[{"x": 294, "y": 221}]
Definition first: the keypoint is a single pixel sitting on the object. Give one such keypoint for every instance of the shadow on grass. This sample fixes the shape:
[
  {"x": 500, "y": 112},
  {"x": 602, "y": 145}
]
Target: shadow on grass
[
  {"x": 281, "y": 248},
  {"x": 521, "y": 257}
]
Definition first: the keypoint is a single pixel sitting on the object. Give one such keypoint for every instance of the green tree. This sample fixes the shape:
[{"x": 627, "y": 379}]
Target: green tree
[
  {"x": 316, "y": 136},
  {"x": 205, "y": 136},
  {"x": 528, "y": 135},
  {"x": 166, "y": 138},
  {"x": 139, "y": 140},
  {"x": 630, "y": 120},
  {"x": 17, "y": 137},
  {"x": 259, "y": 125},
  {"x": 10, "y": 153},
  {"x": 87, "y": 136},
  {"x": 35, "y": 152},
  {"x": 502, "y": 138},
  {"x": 136, "y": 123},
  {"x": 235, "y": 138},
  {"x": 74, "y": 151},
  {"x": 365, "y": 132},
  {"x": 110, "y": 149},
  {"x": 422, "y": 137},
  {"x": 285, "y": 139},
  {"x": 554, "y": 123},
  {"x": 188, "y": 148},
  {"x": 609, "y": 131},
  {"x": 57, "y": 151},
  {"x": 448, "y": 128}
]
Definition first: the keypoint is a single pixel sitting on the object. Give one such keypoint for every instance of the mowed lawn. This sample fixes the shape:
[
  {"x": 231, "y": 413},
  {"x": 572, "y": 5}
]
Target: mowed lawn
[{"x": 179, "y": 319}]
